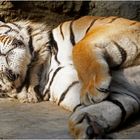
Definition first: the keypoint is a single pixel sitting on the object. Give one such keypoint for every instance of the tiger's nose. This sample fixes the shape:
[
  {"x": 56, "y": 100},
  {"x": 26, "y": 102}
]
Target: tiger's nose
[{"x": 11, "y": 75}]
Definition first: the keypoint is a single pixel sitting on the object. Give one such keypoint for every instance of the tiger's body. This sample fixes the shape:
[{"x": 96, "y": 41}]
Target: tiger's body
[
  {"x": 101, "y": 46},
  {"x": 48, "y": 71},
  {"x": 106, "y": 49}
]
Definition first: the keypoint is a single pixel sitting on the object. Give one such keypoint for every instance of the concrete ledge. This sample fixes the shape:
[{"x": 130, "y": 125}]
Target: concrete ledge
[{"x": 45, "y": 120}]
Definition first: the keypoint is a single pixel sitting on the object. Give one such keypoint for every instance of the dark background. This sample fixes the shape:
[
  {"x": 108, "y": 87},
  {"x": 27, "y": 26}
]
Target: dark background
[{"x": 54, "y": 12}]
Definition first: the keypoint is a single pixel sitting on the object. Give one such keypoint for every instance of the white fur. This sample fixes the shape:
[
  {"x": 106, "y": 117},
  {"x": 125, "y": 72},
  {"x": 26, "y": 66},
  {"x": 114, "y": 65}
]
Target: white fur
[{"x": 106, "y": 114}]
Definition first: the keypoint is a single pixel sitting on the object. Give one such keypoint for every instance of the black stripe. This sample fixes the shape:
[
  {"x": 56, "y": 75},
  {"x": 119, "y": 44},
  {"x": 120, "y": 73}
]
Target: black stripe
[
  {"x": 10, "y": 29},
  {"x": 38, "y": 92},
  {"x": 61, "y": 31},
  {"x": 119, "y": 104},
  {"x": 38, "y": 33},
  {"x": 47, "y": 92},
  {"x": 123, "y": 54},
  {"x": 137, "y": 48},
  {"x": 65, "y": 92},
  {"x": 48, "y": 77},
  {"x": 72, "y": 38},
  {"x": 6, "y": 40},
  {"x": 76, "y": 107},
  {"x": 39, "y": 38},
  {"x": 54, "y": 74},
  {"x": 30, "y": 40},
  {"x": 2, "y": 37},
  {"x": 3, "y": 95},
  {"x": 22, "y": 37},
  {"x": 50, "y": 59},
  {"x": 2, "y": 80},
  {"x": 6, "y": 58},
  {"x": 53, "y": 46},
  {"x": 113, "y": 19},
  {"x": 126, "y": 94},
  {"x": 6, "y": 26},
  {"x": 56, "y": 59},
  {"x": 16, "y": 43},
  {"x": 16, "y": 25},
  {"x": 133, "y": 23},
  {"x": 90, "y": 25},
  {"x": 102, "y": 18},
  {"x": 103, "y": 90},
  {"x": 84, "y": 116},
  {"x": 26, "y": 81},
  {"x": 2, "y": 18},
  {"x": 48, "y": 43}
]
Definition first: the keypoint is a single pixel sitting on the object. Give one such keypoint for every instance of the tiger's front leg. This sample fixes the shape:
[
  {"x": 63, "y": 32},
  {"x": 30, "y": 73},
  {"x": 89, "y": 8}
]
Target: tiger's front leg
[
  {"x": 93, "y": 72},
  {"x": 95, "y": 121},
  {"x": 30, "y": 92}
]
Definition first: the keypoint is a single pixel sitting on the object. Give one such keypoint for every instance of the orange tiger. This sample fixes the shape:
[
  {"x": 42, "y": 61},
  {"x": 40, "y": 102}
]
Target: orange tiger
[
  {"x": 103, "y": 48},
  {"x": 105, "y": 53},
  {"x": 107, "y": 60}
]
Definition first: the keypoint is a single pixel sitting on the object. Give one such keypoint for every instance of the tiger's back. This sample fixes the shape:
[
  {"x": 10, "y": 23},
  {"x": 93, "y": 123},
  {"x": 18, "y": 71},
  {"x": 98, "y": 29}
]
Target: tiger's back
[{"x": 112, "y": 38}]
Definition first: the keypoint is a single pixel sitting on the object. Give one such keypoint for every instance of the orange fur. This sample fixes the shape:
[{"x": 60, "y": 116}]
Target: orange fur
[
  {"x": 89, "y": 54},
  {"x": 90, "y": 71}
]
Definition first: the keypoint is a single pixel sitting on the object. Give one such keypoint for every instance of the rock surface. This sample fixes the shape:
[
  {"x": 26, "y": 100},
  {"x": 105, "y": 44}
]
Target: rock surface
[
  {"x": 30, "y": 121},
  {"x": 54, "y": 12},
  {"x": 47, "y": 120}
]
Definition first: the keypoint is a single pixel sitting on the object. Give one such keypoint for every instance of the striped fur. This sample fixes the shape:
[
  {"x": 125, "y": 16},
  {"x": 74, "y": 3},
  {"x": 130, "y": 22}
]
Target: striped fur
[
  {"x": 23, "y": 54},
  {"x": 77, "y": 64},
  {"x": 105, "y": 48},
  {"x": 97, "y": 46}
]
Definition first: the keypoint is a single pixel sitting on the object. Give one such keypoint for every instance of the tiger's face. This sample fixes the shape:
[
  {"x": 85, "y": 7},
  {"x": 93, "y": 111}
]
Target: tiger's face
[{"x": 14, "y": 60}]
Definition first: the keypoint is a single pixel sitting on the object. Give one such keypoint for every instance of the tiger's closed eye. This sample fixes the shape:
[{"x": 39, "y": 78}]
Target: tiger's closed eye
[{"x": 17, "y": 43}]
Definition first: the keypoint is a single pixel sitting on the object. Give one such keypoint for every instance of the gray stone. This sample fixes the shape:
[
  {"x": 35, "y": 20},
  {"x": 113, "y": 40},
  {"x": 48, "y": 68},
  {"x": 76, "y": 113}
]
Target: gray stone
[
  {"x": 63, "y": 10},
  {"x": 46, "y": 120}
]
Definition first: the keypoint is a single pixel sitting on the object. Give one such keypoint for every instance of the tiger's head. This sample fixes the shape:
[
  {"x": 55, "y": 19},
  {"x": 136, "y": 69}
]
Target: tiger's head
[{"x": 14, "y": 60}]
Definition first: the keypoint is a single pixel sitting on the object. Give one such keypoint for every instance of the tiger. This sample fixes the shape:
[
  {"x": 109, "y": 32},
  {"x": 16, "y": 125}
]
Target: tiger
[
  {"x": 39, "y": 63},
  {"x": 94, "y": 73},
  {"x": 23, "y": 54}
]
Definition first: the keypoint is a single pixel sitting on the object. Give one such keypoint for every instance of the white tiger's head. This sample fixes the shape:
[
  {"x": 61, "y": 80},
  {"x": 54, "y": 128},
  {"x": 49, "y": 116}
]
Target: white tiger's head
[{"x": 14, "y": 60}]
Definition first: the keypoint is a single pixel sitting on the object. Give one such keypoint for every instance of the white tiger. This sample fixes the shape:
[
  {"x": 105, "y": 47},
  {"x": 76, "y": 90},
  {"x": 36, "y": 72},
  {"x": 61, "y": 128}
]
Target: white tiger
[{"x": 23, "y": 54}]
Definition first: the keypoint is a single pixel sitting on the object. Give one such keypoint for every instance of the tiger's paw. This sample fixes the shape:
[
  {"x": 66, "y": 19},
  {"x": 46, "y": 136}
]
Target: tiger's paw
[
  {"x": 95, "y": 96},
  {"x": 84, "y": 126},
  {"x": 93, "y": 92},
  {"x": 29, "y": 97}
]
